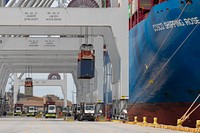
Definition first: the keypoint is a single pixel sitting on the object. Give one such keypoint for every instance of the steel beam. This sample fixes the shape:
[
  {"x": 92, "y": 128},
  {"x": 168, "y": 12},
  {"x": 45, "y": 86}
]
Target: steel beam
[
  {"x": 106, "y": 32},
  {"x": 74, "y": 22},
  {"x": 38, "y": 61},
  {"x": 104, "y": 25},
  {"x": 40, "y": 44},
  {"x": 47, "y": 69},
  {"x": 37, "y": 57},
  {"x": 36, "y": 52},
  {"x": 5, "y": 80},
  {"x": 3, "y": 69}
]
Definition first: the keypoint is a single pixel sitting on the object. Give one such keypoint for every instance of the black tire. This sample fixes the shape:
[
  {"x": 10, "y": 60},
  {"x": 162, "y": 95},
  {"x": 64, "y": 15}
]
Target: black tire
[
  {"x": 75, "y": 117},
  {"x": 80, "y": 118}
]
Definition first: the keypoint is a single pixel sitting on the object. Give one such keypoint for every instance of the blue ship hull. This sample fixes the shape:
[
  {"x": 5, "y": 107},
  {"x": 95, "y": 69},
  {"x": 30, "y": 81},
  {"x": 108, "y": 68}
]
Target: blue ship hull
[{"x": 164, "y": 62}]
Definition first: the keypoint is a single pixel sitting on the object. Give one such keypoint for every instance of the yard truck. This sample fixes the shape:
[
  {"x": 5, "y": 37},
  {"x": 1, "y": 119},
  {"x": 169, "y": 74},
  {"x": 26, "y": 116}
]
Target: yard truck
[{"x": 50, "y": 110}]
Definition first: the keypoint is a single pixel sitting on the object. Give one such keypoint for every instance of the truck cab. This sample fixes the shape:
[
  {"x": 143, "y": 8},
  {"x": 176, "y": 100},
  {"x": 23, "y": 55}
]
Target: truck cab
[
  {"x": 18, "y": 109},
  {"x": 87, "y": 112},
  {"x": 76, "y": 110},
  {"x": 50, "y": 110},
  {"x": 31, "y": 111}
]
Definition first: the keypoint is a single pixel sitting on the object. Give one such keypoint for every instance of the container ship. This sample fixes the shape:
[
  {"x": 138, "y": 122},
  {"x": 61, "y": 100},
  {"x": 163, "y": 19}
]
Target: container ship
[{"x": 164, "y": 60}]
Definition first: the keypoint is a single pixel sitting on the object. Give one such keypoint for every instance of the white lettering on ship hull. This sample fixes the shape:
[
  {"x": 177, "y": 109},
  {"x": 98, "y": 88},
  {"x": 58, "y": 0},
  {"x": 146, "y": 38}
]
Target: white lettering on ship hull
[{"x": 175, "y": 23}]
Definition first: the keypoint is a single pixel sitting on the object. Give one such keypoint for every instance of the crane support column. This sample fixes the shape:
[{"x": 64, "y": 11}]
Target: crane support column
[
  {"x": 64, "y": 89},
  {"x": 16, "y": 88},
  {"x": 99, "y": 73}
]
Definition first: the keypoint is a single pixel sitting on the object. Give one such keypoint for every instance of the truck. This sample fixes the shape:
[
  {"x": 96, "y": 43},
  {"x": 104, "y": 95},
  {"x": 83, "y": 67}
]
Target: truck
[
  {"x": 87, "y": 112},
  {"x": 18, "y": 109},
  {"x": 76, "y": 110},
  {"x": 50, "y": 110},
  {"x": 67, "y": 111},
  {"x": 31, "y": 111}
]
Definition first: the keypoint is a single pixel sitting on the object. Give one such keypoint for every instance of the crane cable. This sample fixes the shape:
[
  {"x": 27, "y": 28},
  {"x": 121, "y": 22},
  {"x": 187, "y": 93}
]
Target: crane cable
[
  {"x": 147, "y": 66},
  {"x": 165, "y": 64},
  {"x": 175, "y": 52},
  {"x": 166, "y": 37},
  {"x": 186, "y": 115}
]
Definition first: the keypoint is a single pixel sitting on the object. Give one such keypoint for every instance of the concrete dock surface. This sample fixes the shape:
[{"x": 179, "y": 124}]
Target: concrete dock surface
[{"x": 42, "y": 125}]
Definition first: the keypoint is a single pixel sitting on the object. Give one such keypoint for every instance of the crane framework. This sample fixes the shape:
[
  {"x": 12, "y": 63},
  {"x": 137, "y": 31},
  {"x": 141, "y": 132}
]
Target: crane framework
[{"x": 48, "y": 40}]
